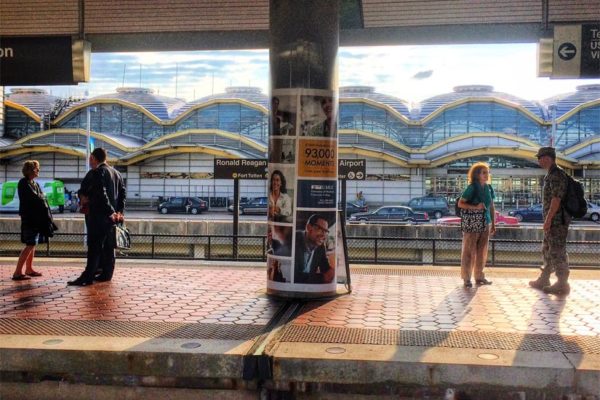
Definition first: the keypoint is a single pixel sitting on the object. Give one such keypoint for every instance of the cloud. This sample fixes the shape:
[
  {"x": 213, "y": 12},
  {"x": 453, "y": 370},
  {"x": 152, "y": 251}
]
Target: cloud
[
  {"x": 423, "y": 74},
  {"x": 405, "y": 72}
]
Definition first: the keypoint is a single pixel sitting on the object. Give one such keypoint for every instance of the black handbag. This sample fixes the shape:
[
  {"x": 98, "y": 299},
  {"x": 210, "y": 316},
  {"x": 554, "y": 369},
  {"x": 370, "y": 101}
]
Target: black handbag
[{"x": 122, "y": 237}]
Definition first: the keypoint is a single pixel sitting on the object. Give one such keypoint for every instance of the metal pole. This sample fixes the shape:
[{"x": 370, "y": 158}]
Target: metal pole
[
  {"x": 88, "y": 136},
  {"x": 553, "y": 136},
  {"x": 236, "y": 217},
  {"x": 343, "y": 199},
  {"x": 87, "y": 157}
]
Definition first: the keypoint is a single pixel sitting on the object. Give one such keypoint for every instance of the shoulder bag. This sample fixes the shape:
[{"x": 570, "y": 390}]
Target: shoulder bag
[{"x": 472, "y": 221}]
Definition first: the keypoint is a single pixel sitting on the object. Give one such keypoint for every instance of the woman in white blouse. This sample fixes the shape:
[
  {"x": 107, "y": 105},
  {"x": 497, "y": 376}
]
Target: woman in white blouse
[{"x": 280, "y": 203}]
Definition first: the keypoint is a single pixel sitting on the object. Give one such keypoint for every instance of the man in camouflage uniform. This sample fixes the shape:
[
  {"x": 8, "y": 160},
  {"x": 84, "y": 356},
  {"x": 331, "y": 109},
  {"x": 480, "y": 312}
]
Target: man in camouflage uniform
[{"x": 556, "y": 226}]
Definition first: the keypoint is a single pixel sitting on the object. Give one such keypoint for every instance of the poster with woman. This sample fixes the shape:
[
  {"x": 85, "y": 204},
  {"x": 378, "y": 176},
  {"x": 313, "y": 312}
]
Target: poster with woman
[
  {"x": 281, "y": 193},
  {"x": 303, "y": 194}
]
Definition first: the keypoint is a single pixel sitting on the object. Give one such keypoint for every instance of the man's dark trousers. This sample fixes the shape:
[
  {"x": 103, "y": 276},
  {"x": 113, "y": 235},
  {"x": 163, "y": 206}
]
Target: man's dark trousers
[{"x": 101, "y": 250}]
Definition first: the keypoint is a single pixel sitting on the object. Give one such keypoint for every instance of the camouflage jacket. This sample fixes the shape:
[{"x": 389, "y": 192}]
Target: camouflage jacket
[{"x": 555, "y": 185}]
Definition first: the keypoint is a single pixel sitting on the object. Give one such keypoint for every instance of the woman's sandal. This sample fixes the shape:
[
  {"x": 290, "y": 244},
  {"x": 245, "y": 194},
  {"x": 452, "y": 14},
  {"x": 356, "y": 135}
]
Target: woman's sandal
[
  {"x": 20, "y": 277},
  {"x": 33, "y": 273}
]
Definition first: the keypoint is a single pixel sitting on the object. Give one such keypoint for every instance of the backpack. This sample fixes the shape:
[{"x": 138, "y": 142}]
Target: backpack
[
  {"x": 574, "y": 202},
  {"x": 456, "y": 207}
]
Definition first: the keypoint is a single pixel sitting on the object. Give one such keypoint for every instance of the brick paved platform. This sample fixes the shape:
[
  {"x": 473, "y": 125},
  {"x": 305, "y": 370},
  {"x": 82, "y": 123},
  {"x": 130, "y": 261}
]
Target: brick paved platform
[{"x": 403, "y": 331}]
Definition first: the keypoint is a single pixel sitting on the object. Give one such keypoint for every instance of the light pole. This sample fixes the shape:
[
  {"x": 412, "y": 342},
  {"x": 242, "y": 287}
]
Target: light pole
[{"x": 552, "y": 109}]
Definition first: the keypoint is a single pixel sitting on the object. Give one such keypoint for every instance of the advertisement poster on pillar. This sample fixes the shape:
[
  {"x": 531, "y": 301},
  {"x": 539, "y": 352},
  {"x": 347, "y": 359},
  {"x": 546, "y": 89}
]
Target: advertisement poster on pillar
[
  {"x": 279, "y": 240},
  {"x": 317, "y": 193},
  {"x": 314, "y": 250},
  {"x": 317, "y": 158},
  {"x": 318, "y": 114},
  {"x": 284, "y": 112},
  {"x": 282, "y": 151},
  {"x": 281, "y": 193},
  {"x": 279, "y": 272}
]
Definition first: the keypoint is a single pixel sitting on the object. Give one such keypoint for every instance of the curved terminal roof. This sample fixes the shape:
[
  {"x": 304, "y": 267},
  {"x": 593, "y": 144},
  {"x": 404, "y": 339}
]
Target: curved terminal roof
[
  {"x": 569, "y": 101},
  {"x": 162, "y": 107},
  {"x": 429, "y": 106},
  {"x": 368, "y": 92},
  {"x": 37, "y": 100},
  {"x": 248, "y": 93}
]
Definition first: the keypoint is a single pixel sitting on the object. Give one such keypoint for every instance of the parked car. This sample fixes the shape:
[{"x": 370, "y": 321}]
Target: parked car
[
  {"x": 500, "y": 220},
  {"x": 353, "y": 208},
  {"x": 243, "y": 201},
  {"x": 434, "y": 205},
  {"x": 257, "y": 205},
  {"x": 531, "y": 214},
  {"x": 391, "y": 214},
  {"x": 593, "y": 212},
  {"x": 192, "y": 205}
]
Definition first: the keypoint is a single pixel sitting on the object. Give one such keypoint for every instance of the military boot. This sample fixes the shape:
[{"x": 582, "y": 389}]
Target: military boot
[
  {"x": 561, "y": 286},
  {"x": 542, "y": 281}
]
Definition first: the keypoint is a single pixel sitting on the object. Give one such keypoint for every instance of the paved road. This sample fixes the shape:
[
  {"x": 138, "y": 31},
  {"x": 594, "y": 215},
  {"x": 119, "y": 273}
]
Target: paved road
[
  {"x": 221, "y": 215},
  {"x": 211, "y": 216}
]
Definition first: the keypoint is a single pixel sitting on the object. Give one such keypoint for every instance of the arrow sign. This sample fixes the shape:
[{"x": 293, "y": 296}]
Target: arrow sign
[
  {"x": 575, "y": 51},
  {"x": 566, "y": 51}
]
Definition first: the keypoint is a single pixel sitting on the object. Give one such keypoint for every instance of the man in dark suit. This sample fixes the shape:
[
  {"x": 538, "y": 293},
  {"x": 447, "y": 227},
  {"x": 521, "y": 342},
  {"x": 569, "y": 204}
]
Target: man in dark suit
[
  {"x": 104, "y": 191},
  {"x": 311, "y": 262}
]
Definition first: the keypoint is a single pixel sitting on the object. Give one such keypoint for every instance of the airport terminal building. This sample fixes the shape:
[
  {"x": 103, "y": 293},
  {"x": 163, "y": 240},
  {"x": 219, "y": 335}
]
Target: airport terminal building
[{"x": 166, "y": 146}]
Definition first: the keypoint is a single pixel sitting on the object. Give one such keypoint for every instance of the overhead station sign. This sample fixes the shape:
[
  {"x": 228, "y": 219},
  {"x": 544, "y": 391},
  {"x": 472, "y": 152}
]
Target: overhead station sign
[
  {"x": 239, "y": 168},
  {"x": 45, "y": 60},
  {"x": 575, "y": 52}
]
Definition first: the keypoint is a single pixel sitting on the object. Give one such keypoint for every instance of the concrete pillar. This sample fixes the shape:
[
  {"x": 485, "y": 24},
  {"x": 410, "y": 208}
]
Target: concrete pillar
[{"x": 303, "y": 148}]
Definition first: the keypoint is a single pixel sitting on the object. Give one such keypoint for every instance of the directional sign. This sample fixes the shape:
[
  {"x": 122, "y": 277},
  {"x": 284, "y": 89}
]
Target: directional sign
[
  {"x": 352, "y": 170},
  {"x": 567, "y": 51},
  {"x": 240, "y": 168},
  {"x": 48, "y": 60},
  {"x": 576, "y": 51}
]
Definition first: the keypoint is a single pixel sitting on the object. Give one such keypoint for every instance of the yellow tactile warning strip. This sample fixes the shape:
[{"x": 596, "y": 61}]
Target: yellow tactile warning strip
[{"x": 463, "y": 340}]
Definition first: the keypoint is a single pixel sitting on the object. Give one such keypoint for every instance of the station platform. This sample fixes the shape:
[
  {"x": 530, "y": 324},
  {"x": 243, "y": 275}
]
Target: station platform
[{"x": 164, "y": 329}]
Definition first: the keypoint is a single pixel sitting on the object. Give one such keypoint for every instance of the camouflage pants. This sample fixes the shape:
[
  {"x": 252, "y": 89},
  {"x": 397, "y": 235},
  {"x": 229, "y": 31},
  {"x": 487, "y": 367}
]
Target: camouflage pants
[{"x": 554, "y": 251}]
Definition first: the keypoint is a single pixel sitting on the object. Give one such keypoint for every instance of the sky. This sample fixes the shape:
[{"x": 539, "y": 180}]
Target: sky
[{"x": 411, "y": 73}]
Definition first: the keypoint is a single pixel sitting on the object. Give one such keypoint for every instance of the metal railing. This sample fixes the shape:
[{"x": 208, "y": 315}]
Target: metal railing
[{"x": 361, "y": 249}]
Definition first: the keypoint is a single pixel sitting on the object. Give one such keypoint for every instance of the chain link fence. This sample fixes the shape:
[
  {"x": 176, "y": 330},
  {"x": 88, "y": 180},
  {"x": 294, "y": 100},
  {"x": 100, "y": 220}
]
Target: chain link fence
[{"x": 365, "y": 250}]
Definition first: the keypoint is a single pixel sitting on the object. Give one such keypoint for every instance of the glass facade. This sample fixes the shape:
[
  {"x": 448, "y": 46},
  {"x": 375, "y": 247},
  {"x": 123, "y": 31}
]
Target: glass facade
[
  {"x": 463, "y": 118},
  {"x": 227, "y": 117},
  {"x": 472, "y": 117},
  {"x": 19, "y": 124},
  {"x": 478, "y": 117},
  {"x": 114, "y": 119},
  {"x": 118, "y": 120},
  {"x": 579, "y": 127},
  {"x": 493, "y": 161},
  {"x": 365, "y": 117},
  {"x": 509, "y": 191}
]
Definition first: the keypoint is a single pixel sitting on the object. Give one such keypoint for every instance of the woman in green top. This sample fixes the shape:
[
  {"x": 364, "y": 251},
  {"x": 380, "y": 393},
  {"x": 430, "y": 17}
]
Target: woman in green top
[{"x": 479, "y": 195}]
